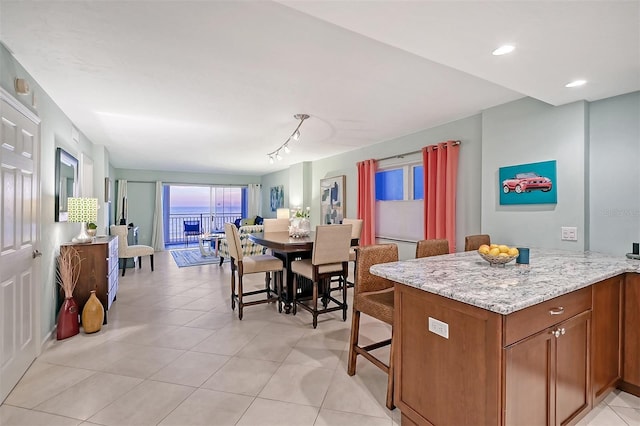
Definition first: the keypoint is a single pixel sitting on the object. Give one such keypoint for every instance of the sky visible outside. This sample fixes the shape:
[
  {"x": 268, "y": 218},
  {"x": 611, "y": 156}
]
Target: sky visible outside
[{"x": 226, "y": 199}]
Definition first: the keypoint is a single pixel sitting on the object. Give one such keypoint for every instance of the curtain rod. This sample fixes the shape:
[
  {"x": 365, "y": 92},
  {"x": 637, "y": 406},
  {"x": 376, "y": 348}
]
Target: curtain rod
[{"x": 410, "y": 153}]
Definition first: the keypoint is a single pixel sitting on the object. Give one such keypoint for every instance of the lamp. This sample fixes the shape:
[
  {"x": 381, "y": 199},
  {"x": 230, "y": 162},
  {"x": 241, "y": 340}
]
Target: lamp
[
  {"x": 282, "y": 213},
  {"x": 82, "y": 210},
  {"x": 275, "y": 154}
]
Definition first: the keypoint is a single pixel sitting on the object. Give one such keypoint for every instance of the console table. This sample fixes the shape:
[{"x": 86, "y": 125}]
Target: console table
[{"x": 98, "y": 271}]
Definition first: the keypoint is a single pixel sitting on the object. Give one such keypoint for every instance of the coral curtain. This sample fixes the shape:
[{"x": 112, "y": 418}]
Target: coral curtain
[
  {"x": 440, "y": 180},
  {"x": 367, "y": 200}
]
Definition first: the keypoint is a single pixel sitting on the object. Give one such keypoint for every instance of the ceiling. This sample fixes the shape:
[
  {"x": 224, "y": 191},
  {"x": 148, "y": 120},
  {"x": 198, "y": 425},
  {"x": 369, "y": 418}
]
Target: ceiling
[{"x": 212, "y": 86}]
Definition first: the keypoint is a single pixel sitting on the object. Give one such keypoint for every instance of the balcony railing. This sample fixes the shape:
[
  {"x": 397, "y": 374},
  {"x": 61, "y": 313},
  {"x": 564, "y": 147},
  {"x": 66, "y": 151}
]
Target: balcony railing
[{"x": 209, "y": 223}]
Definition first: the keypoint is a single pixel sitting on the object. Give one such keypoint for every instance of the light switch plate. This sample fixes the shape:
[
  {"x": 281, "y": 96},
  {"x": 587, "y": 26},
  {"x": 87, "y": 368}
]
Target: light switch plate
[
  {"x": 569, "y": 233},
  {"x": 438, "y": 327}
]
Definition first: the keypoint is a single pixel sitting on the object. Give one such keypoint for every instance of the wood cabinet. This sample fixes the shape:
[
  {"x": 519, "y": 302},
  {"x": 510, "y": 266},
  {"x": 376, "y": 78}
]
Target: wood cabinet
[
  {"x": 98, "y": 271},
  {"x": 606, "y": 332},
  {"x": 530, "y": 367},
  {"x": 631, "y": 345},
  {"x": 547, "y": 374}
]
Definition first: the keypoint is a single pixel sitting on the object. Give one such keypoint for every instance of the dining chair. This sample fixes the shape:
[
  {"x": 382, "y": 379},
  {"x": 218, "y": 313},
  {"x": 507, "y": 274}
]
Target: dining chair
[
  {"x": 242, "y": 265},
  {"x": 329, "y": 258},
  {"x": 473, "y": 242},
  {"x": 275, "y": 225},
  {"x": 126, "y": 251},
  {"x": 434, "y": 247},
  {"x": 373, "y": 296},
  {"x": 191, "y": 228},
  {"x": 356, "y": 232}
]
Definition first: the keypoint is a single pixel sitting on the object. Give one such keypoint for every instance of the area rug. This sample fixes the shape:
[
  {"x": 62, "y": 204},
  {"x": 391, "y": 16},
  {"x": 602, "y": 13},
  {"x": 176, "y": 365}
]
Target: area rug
[{"x": 192, "y": 257}]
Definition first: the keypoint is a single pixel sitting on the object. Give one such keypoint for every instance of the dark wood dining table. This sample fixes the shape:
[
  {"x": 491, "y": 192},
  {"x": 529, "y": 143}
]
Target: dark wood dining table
[{"x": 288, "y": 249}]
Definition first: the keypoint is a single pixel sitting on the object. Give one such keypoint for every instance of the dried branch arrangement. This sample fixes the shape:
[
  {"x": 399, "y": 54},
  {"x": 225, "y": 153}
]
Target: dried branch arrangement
[{"x": 68, "y": 269}]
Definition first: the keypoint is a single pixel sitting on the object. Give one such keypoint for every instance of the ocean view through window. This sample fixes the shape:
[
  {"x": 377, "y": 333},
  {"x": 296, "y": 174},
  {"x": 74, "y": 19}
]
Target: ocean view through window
[{"x": 212, "y": 206}]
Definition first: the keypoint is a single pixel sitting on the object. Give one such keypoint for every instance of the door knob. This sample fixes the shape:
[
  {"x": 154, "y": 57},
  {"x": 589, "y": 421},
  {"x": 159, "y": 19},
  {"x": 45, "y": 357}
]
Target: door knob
[{"x": 36, "y": 253}]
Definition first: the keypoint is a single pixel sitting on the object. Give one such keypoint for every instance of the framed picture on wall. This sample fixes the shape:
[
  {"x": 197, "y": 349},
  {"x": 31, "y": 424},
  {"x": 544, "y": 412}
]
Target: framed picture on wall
[
  {"x": 332, "y": 200},
  {"x": 276, "y": 197},
  {"x": 532, "y": 183}
]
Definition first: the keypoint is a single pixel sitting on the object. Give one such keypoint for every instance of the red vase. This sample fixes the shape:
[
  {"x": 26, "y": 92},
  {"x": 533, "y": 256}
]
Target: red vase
[{"x": 68, "y": 319}]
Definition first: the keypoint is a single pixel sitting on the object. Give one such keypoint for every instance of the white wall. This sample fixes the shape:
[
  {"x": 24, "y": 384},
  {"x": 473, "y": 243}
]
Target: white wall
[
  {"x": 529, "y": 131},
  {"x": 614, "y": 177}
]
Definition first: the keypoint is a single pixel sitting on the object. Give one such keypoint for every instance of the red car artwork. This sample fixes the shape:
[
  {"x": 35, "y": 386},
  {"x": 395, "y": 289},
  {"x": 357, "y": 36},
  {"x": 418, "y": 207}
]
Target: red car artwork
[{"x": 526, "y": 182}]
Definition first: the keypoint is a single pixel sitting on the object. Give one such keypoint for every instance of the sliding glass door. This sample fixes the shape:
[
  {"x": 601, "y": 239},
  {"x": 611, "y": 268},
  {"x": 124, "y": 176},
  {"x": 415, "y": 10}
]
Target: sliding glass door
[{"x": 206, "y": 208}]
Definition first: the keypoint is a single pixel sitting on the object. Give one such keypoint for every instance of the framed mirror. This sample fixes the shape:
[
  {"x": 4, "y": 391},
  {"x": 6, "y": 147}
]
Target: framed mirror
[{"x": 66, "y": 182}]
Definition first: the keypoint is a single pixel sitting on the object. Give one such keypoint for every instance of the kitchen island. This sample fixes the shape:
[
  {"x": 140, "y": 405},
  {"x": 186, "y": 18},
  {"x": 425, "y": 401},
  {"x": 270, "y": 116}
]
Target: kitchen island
[{"x": 537, "y": 344}]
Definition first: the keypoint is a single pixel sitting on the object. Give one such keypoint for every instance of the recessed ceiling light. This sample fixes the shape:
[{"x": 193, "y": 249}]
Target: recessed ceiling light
[
  {"x": 576, "y": 83},
  {"x": 503, "y": 50}
]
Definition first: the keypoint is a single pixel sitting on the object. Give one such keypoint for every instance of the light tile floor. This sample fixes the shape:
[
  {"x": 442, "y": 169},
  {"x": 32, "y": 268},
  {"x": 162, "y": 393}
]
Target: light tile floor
[{"x": 173, "y": 353}]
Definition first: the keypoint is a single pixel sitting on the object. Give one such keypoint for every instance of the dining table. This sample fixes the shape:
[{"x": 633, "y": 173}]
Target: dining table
[{"x": 288, "y": 249}]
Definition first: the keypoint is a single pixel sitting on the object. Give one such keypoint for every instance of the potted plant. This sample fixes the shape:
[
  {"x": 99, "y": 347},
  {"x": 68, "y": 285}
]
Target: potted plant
[{"x": 92, "y": 229}]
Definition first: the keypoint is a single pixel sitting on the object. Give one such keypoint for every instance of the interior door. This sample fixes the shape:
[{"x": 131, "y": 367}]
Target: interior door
[{"x": 19, "y": 264}]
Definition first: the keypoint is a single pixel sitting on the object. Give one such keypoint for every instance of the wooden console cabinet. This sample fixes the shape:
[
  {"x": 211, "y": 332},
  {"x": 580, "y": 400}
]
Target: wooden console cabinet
[{"x": 98, "y": 271}]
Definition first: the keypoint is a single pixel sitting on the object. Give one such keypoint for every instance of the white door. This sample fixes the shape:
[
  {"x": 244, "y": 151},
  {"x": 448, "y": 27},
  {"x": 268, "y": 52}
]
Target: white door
[{"x": 19, "y": 263}]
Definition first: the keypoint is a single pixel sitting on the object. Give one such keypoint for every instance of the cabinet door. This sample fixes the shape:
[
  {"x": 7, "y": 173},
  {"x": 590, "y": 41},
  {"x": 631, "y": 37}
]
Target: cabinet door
[
  {"x": 547, "y": 375},
  {"x": 572, "y": 368},
  {"x": 605, "y": 333},
  {"x": 631, "y": 367},
  {"x": 529, "y": 380}
]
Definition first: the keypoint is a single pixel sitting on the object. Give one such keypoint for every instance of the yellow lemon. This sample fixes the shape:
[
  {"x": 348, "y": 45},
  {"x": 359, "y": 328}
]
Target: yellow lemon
[
  {"x": 503, "y": 255},
  {"x": 503, "y": 248},
  {"x": 493, "y": 246},
  {"x": 494, "y": 251},
  {"x": 513, "y": 251},
  {"x": 484, "y": 249}
]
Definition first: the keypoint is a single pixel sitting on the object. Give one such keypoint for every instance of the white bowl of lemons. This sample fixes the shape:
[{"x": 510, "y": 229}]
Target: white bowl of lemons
[{"x": 497, "y": 254}]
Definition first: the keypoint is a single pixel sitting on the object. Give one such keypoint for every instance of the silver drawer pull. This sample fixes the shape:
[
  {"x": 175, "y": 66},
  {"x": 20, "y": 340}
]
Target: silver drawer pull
[{"x": 556, "y": 311}]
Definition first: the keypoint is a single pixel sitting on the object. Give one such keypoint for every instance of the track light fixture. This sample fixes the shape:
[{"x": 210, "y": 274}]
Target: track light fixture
[{"x": 275, "y": 154}]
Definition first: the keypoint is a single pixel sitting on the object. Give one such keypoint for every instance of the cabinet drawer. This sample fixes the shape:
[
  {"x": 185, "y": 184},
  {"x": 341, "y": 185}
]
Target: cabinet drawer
[
  {"x": 113, "y": 254},
  {"x": 113, "y": 287},
  {"x": 526, "y": 322}
]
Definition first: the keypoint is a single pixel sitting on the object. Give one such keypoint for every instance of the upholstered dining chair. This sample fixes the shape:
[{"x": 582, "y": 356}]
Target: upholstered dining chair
[
  {"x": 329, "y": 258},
  {"x": 434, "y": 247},
  {"x": 473, "y": 242},
  {"x": 125, "y": 251},
  {"x": 356, "y": 232},
  {"x": 275, "y": 225},
  {"x": 373, "y": 296},
  {"x": 243, "y": 265}
]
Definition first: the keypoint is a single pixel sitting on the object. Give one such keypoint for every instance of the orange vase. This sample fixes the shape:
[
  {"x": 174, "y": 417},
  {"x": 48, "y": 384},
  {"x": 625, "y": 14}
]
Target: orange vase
[{"x": 92, "y": 314}]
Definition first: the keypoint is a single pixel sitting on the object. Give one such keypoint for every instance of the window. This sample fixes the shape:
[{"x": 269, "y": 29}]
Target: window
[
  {"x": 399, "y": 200},
  {"x": 400, "y": 183}
]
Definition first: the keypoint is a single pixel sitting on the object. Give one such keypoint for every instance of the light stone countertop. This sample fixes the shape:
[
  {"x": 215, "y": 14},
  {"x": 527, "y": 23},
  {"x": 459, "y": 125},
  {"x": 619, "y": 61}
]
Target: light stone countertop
[{"x": 468, "y": 278}]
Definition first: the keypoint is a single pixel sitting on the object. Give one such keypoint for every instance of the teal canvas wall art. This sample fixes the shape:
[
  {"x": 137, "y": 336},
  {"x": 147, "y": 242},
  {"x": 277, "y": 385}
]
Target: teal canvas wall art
[{"x": 532, "y": 183}]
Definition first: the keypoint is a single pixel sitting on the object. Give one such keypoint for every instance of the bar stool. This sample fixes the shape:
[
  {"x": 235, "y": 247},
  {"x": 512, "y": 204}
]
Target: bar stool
[
  {"x": 373, "y": 295},
  {"x": 435, "y": 247}
]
